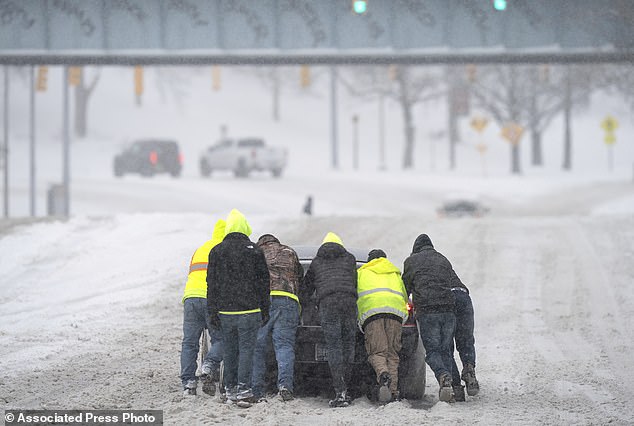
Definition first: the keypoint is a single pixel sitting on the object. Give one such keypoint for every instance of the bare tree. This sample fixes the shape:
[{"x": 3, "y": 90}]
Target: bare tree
[
  {"x": 532, "y": 96},
  {"x": 83, "y": 92},
  {"x": 405, "y": 85}
]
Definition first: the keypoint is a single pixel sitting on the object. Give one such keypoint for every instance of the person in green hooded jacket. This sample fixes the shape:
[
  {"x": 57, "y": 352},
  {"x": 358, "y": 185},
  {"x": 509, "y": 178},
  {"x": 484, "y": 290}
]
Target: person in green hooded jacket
[
  {"x": 382, "y": 309},
  {"x": 196, "y": 319}
]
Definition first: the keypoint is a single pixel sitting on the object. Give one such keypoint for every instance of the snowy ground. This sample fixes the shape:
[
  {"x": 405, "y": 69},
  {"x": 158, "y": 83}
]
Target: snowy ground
[{"x": 90, "y": 313}]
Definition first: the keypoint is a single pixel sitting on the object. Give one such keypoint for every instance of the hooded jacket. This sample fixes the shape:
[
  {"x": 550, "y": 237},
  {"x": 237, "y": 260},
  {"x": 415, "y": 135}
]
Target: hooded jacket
[
  {"x": 332, "y": 273},
  {"x": 380, "y": 291},
  {"x": 284, "y": 267},
  {"x": 237, "y": 275},
  {"x": 429, "y": 276},
  {"x": 196, "y": 285}
]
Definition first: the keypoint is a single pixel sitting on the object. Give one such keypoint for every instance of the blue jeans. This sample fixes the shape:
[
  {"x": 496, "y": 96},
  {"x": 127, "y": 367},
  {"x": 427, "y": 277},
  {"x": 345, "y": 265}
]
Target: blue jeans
[
  {"x": 281, "y": 327},
  {"x": 195, "y": 320},
  {"x": 339, "y": 324},
  {"x": 465, "y": 342},
  {"x": 436, "y": 332},
  {"x": 239, "y": 333}
]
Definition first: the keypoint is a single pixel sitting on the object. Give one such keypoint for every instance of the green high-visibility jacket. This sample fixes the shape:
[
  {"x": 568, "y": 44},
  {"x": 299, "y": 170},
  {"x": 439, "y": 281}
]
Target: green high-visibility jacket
[{"x": 380, "y": 290}]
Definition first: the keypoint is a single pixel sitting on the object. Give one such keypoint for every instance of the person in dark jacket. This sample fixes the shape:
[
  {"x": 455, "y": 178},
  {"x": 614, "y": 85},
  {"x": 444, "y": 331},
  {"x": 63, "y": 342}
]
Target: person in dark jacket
[
  {"x": 429, "y": 276},
  {"x": 465, "y": 343},
  {"x": 332, "y": 276},
  {"x": 238, "y": 301},
  {"x": 286, "y": 274}
]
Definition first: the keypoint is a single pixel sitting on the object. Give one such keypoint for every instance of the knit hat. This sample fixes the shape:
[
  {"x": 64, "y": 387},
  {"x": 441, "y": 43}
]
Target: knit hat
[{"x": 375, "y": 254}]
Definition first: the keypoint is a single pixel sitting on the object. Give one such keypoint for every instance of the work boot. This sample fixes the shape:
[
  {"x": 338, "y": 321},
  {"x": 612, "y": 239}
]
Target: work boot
[
  {"x": 469, "y": 377},
  {"x": 384, "y": 394},
  {"x": 458, "y": 393},
  {"x": 190, "y": 388},
  {"x": 445, "y": 393}
]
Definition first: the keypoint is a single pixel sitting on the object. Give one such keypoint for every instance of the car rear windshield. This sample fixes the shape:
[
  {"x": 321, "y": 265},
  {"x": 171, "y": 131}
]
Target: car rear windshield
[{"x": 161, "y": 146}]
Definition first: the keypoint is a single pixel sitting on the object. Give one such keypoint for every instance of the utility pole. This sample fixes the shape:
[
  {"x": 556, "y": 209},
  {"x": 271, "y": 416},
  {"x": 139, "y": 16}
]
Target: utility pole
[
  {"x": 32, "y": 140},
  {"x": 333, "y": 117},
  {"x": 5, "y": 149}
]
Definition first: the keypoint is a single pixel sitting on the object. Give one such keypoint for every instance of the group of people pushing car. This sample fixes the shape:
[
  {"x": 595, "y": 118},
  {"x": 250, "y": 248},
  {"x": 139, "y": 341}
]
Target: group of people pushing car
[{"x": 247, "y": 293}]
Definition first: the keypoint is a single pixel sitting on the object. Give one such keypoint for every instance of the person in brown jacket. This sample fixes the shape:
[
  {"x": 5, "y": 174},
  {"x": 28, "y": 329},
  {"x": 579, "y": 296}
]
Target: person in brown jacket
[{"x": 286, "y": 274}]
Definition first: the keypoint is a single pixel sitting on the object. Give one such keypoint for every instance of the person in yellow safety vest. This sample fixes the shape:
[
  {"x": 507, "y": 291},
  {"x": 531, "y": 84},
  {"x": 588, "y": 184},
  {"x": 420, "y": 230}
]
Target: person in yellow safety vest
[
  {"x": 196, "y": 319},
  {"x": 382, "y": 310}
]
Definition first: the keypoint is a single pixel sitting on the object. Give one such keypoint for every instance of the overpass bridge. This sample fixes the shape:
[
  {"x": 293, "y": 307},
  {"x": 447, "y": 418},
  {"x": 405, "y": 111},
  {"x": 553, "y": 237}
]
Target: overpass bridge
[{"x": 145, "y": 32}]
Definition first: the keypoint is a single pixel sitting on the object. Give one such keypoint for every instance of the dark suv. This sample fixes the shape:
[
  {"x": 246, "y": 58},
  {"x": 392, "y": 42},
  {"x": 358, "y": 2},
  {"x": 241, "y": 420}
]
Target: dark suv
[
  {"x": 312, "y": 374},
  {"x": 149, "y": 157}
]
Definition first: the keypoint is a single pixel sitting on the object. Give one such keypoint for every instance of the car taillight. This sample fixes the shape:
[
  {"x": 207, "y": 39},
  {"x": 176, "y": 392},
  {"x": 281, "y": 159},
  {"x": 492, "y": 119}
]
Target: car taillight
[
  {"x": 153, "y": 157},
  {"x": 181, "y": 159},
  {"x": 409, "y": 307}
]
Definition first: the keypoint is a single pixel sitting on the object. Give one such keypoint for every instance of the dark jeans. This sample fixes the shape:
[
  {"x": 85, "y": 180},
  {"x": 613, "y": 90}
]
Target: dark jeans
[
  {"x": 281, "y": 328},
  {"x": 239, "y": 332},
  {"x": 465, "y": 342},
  {"x": 339, "y": 324},
  {"x": 195, "y": 320},
  {"x": 436, "y": 332}
]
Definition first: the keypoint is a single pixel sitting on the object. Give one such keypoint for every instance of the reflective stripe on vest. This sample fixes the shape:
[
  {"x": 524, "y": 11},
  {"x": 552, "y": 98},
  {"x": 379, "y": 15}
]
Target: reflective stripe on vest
[
  {"x": 284, "y": 293},
  {"x": 201, "y": 266},
  {"x": 252, "y": 311},
  {"x": 376, "y": 290},
  {"x": 382, "y": 310}
]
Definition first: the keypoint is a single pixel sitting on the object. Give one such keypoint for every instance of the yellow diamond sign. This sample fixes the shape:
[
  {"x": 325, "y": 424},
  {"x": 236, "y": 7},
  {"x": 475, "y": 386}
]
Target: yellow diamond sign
[
  {"x": 512, "y": 132},
  {"x": 609, "y": 124},
  {"x": 479, "y": 123}
]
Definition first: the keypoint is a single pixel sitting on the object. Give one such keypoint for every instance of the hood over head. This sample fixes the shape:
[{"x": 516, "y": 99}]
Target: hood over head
[
  {"x": 380, "y": 265},
  {"x": 219, "y": 231},
  {"x": 237, "y": 222},
  {"x": 331, "y": 237},
  {"x": 422, "y": 241},
  {"x": 267, "y": 238}
]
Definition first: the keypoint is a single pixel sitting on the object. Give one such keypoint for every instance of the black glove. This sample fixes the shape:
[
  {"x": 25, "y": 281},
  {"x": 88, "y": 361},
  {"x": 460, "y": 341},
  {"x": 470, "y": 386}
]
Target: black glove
[
  {"x": 214, "y": 321},
  {"x": 265, "y": 317}
]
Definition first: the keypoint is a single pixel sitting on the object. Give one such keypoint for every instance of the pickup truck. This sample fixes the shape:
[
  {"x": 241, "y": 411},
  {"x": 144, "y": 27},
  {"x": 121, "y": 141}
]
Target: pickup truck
[{"x": 242, "y": 156}]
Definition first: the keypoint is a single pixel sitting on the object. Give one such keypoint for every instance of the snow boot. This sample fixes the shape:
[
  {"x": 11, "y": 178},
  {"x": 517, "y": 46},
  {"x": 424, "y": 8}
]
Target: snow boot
[
  {"x": 469, "y": 377},
  {"x": 384, "y": 394},
  {"x": 445, "y": 393},
  {"x": 458, "y": 393}
]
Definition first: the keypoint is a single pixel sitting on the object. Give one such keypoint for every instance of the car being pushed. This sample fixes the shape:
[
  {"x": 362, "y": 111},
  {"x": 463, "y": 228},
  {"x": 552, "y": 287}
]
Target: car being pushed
[
  {"x": 148, "y": 157},
  {"x": 311, "y": 370}
]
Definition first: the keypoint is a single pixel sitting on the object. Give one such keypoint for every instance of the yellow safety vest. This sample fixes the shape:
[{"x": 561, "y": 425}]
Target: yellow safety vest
[{"x": 380, "y": 290}]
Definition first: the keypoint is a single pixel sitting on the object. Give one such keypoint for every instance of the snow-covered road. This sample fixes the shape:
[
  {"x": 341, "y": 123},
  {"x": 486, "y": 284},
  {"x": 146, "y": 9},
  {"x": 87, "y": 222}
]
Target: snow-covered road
[{"x": 90, "y": 313}]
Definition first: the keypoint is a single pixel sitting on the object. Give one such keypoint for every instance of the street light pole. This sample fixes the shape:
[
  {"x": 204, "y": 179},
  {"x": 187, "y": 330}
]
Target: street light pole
[{"x": 355, "y": 142}]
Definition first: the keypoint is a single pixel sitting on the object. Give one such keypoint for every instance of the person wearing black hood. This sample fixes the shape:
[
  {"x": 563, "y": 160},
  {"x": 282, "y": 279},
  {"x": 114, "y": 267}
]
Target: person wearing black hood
[
  {"x": 332, "y": 275},
  {"x": 429, "y": 276}
]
